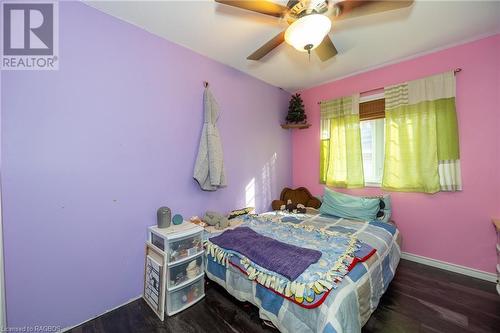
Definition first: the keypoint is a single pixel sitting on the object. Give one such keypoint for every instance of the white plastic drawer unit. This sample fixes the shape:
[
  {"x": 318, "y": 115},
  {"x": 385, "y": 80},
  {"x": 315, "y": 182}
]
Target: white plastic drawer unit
[
  {"x": 184, "y": 297},
  {"x": 182, "y": 246}
]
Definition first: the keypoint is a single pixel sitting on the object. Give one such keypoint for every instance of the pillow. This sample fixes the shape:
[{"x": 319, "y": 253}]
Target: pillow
[{"x": 349, "y": 206}]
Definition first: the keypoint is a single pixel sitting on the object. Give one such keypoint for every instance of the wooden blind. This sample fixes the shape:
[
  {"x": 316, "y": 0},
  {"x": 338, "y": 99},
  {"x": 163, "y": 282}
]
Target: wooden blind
[{"x": 372, "y": 110}]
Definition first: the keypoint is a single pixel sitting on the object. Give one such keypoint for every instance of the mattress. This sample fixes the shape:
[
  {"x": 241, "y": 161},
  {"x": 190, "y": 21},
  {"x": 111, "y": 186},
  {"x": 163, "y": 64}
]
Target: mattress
[{"x": 347, "y": 306}]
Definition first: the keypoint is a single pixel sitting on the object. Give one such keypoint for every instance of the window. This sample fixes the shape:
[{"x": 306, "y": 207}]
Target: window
[
  {"x": 345, "y": 123},
  {"x": 372, "y": 146},
  {"x": 420, "y": 142},
  {"x": 372, "y": 126}
]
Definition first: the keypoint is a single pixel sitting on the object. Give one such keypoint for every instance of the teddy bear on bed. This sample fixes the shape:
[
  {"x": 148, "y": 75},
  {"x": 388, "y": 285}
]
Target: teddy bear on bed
[{"x": 293, "y": 208}]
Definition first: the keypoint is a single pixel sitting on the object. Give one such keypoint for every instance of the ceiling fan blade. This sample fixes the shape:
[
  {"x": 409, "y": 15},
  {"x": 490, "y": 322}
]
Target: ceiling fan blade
[
  {"x": 263, "y": 7},
  {"x": 326, "y": 49},
  {"x": 353, "y": 8},
  {"x": 268, "y": 47}
]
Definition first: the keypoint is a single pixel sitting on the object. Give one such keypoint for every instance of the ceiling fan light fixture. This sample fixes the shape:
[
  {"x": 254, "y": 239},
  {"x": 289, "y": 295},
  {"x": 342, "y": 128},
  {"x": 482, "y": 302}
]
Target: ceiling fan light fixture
[{"x": 308, "y": 32}]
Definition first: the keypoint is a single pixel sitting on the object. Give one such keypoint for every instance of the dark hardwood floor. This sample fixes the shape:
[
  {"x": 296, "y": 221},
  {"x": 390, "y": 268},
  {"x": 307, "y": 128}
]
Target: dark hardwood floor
[{"x": 419, "y": 299}]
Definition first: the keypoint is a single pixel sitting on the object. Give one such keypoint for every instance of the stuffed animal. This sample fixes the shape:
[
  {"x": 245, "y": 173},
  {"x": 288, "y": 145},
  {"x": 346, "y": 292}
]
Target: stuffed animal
[
  {"x": 215, "y": 219},
  {"x": 198, "y": 221},
  {"x": 291, "y": 208},
  {"x": 301, "y": 209}
]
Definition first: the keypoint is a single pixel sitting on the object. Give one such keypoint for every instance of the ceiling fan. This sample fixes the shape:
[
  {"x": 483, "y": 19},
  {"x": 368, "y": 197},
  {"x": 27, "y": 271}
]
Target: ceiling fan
[{"x": 310, "y": 21}]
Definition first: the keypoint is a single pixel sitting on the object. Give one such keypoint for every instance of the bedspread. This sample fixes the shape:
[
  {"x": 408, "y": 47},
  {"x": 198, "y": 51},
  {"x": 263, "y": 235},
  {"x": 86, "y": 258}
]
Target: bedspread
[
  {"x": 345, "y": 308},
  {"x": 339, "y": 251}
]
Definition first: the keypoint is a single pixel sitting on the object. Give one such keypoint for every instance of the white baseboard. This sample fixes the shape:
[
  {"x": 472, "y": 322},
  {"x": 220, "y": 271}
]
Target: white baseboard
[
  {"x": 116, "y": 307},
  {"x": 475, "y": 273}
]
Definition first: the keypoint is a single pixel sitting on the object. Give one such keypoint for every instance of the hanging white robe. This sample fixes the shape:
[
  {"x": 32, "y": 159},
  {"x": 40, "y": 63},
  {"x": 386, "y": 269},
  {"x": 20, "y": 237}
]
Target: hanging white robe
[{"x": 209, "y": 165}]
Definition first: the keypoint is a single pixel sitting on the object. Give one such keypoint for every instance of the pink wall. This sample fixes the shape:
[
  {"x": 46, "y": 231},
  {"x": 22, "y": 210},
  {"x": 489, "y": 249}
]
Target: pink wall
[{"x": 452, "y": 227}]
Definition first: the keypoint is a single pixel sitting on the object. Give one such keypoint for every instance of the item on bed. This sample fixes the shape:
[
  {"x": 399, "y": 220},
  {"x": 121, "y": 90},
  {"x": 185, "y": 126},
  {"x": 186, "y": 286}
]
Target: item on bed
[
  {"x": 349, "y": 206},
  {"x": 215, "y": 219},
  {"x": 293, "y": 208},
  {"x": 198, "y": 221},
  {"x": 312, "y": 211},
  {"x": 233, "y": 223},
  {"x": 285, "y": 259},
  {"x": 240, "y": 212},
  {"x": 339, "y": 252},
  {"x": 387, "y": 209},
  {"x": 297, "y": 196}
]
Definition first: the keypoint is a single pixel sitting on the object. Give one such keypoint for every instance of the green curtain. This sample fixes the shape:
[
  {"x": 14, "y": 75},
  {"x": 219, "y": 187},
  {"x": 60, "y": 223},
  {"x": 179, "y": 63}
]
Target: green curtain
[
  {"x": 341, "y": 162},
  {"x": 421, "y": 147}
]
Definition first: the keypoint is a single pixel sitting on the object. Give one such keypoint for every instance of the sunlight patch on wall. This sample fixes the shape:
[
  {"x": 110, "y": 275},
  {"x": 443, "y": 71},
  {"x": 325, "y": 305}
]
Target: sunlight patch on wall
[
  {"x": 268, "y": 182},
  {"x": 250, "y": 194}
]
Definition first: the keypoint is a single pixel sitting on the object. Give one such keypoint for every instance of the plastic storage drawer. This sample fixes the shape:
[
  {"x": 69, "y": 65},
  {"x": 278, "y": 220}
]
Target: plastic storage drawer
[
  {"x": 184, "y": 247},
  {"x": 184, "y": 272},
  {"x": 184, "y": 297}
]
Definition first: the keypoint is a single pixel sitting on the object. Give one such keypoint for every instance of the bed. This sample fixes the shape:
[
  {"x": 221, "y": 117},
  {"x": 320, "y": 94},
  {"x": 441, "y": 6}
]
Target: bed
[{"x": 364, "y": 265}]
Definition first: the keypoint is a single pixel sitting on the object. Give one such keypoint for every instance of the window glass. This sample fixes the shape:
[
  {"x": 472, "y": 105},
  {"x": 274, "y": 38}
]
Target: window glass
[{"x": 372, "y": 144}]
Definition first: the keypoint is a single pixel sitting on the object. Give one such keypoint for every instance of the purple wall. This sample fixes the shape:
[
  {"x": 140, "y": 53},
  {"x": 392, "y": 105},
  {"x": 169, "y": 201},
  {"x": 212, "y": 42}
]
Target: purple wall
[{"x": 90, "y": 152}]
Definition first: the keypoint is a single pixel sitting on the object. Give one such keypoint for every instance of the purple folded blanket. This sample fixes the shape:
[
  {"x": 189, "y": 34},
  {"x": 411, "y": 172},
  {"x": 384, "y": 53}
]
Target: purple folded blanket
[{"x": 285, "y": 259}]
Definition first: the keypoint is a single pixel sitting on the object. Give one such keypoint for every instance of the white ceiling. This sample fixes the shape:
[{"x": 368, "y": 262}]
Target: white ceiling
[{"x": 229, "y": 35}]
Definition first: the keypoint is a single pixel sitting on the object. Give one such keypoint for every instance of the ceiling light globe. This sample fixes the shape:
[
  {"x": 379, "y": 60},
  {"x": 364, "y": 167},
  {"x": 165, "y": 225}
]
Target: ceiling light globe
[{"x": 308, "y": 32}]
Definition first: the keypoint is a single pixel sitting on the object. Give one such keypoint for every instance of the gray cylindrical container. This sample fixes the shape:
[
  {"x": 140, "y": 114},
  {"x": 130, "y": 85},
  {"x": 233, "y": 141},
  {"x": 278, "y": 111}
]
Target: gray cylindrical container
[{"x": 164, "y": 216}]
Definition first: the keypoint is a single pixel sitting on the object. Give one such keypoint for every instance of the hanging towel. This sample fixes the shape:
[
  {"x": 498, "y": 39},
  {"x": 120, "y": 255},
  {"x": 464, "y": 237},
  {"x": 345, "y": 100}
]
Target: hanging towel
[{"x": 209, "y": 166}]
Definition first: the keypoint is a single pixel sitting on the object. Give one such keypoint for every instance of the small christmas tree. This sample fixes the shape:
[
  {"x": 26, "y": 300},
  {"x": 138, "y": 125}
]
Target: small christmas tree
[{"x": 296, "y": 113}]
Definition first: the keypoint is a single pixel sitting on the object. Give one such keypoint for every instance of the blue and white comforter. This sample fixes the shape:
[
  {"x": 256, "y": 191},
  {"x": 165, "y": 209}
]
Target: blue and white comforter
[{"x": 347, "y": 307}]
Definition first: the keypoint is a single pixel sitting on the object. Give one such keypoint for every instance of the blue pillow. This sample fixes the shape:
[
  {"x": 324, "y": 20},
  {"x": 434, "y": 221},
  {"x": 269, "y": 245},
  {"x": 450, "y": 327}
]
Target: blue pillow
[{"x": 349, "y": 206}]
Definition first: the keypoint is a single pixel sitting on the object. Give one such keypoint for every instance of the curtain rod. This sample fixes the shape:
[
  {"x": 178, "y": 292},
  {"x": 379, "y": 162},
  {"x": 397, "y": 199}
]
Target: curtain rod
[{"x": 455, "y": 71}]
